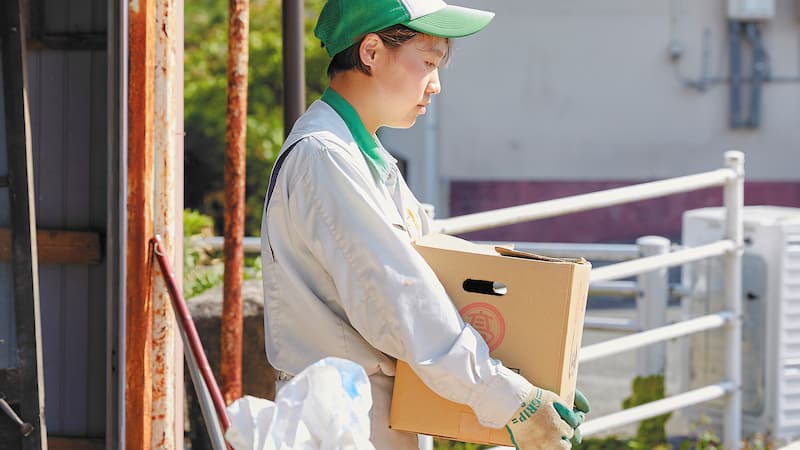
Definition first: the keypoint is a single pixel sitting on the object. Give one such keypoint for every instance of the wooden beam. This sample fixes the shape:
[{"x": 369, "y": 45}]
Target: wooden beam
[
  {"x": 138, "y": 301},
  {"x": 25, "y": 267},
  {"x": 59, "y": 247}
]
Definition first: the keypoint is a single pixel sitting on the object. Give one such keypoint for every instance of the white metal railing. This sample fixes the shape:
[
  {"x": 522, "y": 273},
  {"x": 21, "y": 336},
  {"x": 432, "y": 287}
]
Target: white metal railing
[
  {"x": 594, "y": 200},
  {"x": 656, "y": 256},
  {"x": 732, "y": 180}
]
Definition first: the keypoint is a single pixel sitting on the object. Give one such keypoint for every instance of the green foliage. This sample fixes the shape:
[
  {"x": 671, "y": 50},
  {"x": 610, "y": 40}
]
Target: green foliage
[
  {"x": 200, "y": 270},
  {"x": 605, "y": 443},
  {"x": 651, "y": 432},
  {"x": 202, "y": 267},
  {"x": 444, "y": 444},
  {"x": 707, "y": 439},
  {"x": 205, "y": 99}
]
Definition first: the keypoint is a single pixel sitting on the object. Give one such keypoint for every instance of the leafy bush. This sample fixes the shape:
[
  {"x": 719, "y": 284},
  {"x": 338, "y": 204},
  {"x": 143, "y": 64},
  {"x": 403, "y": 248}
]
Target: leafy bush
[
  {"x": 444, "y": 444},
  {"x": 203, "y": 267},
  {"x": 201, "y": 271},
  {"x": 205, "y": 100}
]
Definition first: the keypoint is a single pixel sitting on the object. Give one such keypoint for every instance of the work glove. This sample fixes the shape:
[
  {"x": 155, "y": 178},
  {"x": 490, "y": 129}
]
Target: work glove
[{"x": 544, "y": 423}]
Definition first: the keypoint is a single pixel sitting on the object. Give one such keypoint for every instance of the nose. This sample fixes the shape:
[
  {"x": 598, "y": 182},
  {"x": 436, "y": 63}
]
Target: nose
[{"x": 434, "y": 85}]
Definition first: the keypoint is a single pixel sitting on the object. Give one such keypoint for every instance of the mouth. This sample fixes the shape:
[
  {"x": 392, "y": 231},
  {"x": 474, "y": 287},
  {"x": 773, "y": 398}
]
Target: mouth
[{"x": 423, "y": 107}]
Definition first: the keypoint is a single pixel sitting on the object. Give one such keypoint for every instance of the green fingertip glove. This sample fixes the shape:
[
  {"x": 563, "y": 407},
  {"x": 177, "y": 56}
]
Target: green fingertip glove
[
  {"x": 581, "y": 408},
  {"x": 581, "y": 402}
]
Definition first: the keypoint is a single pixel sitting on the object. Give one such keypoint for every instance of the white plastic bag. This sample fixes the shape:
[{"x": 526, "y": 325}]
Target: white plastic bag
[{"x": 324, "y": 407}]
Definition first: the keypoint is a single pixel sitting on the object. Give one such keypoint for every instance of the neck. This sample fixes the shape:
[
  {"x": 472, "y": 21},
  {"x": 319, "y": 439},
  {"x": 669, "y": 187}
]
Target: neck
[{"x": 354, "y": 87}]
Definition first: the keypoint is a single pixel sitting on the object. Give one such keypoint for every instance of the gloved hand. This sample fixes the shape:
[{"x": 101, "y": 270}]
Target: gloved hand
[{"x": 544, "y": 423}]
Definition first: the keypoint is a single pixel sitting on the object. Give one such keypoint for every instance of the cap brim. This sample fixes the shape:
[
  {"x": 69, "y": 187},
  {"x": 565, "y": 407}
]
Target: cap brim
[{"x": 451, "y": 22}]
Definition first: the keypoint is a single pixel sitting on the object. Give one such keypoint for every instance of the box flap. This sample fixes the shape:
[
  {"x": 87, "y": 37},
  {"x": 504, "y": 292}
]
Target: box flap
[
  {"x": 526, "y": 255},
  {"x": 447, "y": 242}
]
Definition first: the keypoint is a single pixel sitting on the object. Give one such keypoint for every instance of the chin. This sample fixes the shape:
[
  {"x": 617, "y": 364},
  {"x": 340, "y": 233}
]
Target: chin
[{"x": 403, "y": 124}]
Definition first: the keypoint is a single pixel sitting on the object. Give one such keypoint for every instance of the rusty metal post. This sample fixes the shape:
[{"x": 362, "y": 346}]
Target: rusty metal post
[
  {"x": 165, "y": 129},
  {"x": 139, "y": 321},
  {"x": 235, "y": 134},
  {"x": 294, "y": 68}
]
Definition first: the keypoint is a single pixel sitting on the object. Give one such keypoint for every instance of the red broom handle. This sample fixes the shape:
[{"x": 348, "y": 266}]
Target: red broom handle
[{"x": 185, "y": 321}]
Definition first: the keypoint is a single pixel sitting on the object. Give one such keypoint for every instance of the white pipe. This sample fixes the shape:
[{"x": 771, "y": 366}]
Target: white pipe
[
  {"x": 610, "y": 323},
  {"x": 430, "y": 143},
  {"x": 633, "y": 341},
  {"x": 210, "y": 417},
  {"x": 734, "y": 231},
  {"x": 590, "y": 251},
  {"x": 655, "y": 408},
  {"x": 651, "y": 306},
  {"x": 425, "y": 442},
  {"x": 614, "y": 288},
  {"x": 642, "y": 265},
  {"x": 550, "y": 208}
]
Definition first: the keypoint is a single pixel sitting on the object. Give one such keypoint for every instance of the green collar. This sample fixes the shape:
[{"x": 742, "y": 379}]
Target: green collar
[{"x": 366, "y": 142}]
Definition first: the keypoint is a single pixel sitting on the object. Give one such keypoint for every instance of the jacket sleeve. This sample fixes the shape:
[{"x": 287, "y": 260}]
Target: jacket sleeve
[{"x": 388, "y": 292}]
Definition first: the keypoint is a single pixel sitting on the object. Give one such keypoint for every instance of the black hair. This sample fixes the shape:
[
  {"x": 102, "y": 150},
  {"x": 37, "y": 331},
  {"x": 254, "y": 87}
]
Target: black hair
[{"x": 392, "y": 37}]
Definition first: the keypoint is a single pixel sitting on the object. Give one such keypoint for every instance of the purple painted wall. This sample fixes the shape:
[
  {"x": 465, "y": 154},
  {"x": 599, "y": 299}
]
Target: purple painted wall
[{"x": 622, "y": 223}]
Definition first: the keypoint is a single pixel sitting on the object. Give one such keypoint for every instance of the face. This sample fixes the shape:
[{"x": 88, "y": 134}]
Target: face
[{"x": 407, "y": 77}]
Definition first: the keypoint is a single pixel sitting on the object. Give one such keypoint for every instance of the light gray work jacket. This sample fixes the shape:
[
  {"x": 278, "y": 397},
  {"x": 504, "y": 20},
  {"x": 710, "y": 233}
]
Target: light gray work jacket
[{"x": 341, "y": 277}]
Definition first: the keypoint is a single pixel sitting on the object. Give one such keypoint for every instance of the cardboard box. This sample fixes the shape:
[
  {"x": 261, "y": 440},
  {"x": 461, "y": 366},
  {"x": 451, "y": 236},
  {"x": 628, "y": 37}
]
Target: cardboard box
[{"x": 528, "y": 308}]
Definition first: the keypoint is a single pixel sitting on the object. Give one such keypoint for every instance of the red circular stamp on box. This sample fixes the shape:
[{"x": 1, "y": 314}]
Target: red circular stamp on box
[{"x": 487, "y": 320}]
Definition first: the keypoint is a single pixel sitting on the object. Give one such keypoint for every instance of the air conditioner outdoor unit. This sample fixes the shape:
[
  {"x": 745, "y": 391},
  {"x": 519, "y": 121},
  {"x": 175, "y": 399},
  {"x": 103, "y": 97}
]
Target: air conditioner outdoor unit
[
  {"x": 771, "y": 326},
  {"x": 751, "y": 10}
]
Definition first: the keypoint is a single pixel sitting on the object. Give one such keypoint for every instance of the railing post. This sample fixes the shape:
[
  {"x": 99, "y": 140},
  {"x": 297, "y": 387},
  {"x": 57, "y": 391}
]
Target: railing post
[
  {"x": 425, "y": 442},
  {"x": 651, "y": 305},
  {"x": 734, "y": 230}
]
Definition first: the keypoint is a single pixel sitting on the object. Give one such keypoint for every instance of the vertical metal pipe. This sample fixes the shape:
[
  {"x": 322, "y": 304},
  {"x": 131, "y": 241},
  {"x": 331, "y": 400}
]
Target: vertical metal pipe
[
  {"x": 213, "y": 425},
  {"x": 425, "y": 442},
  {"x": 734, "y": 230},
  {"x": 116, "y": 222},
  {"x": 734, "y": 30},
  {"x": 758, "y": 73},
  {"x": 431, "y": 143},
  {"x": 164, "y": 135},
  {"x": 139, "y": 320},
  {"x": 294, "y": 71},
  {"x": 651, "y": 305},
  {"x": 235, "y": 148}
]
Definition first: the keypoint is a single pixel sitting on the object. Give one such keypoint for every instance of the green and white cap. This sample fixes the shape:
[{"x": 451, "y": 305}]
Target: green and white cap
[{"x": 341, "y": 22}]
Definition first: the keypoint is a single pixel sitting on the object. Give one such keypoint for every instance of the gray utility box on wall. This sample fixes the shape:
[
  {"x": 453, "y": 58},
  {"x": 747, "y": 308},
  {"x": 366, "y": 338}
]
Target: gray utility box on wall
[{"x": 771, "y": 325}]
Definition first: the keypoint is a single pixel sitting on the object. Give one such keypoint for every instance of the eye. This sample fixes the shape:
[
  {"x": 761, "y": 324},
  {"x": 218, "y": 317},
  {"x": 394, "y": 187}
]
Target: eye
[{"x": 430, "y": 65}]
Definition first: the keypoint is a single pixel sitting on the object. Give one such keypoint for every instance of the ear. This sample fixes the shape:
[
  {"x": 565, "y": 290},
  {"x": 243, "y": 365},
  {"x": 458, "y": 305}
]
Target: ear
[{"x": 368, "y": 49}]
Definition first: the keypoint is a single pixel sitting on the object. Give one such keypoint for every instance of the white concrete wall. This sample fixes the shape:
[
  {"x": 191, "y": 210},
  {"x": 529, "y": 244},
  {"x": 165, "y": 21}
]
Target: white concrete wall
[{"x": 580, "y": 89}]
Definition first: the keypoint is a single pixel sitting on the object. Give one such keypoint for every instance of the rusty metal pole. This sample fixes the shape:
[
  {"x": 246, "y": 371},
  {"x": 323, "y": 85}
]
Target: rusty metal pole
[
  {"x": 165, "y": 129},
  {"x": 139, "y": 320},
  {"x": 235, "y": 134},
  {"x": 294, "y": 68}
]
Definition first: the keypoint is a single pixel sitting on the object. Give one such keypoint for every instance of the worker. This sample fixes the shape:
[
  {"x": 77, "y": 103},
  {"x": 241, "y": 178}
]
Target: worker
[{"x": 341, "y": 277}]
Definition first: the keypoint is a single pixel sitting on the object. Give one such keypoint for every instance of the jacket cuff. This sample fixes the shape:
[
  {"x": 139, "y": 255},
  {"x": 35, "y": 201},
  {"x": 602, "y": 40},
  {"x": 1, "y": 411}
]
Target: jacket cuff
[{"x": 500, "y": 398}]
